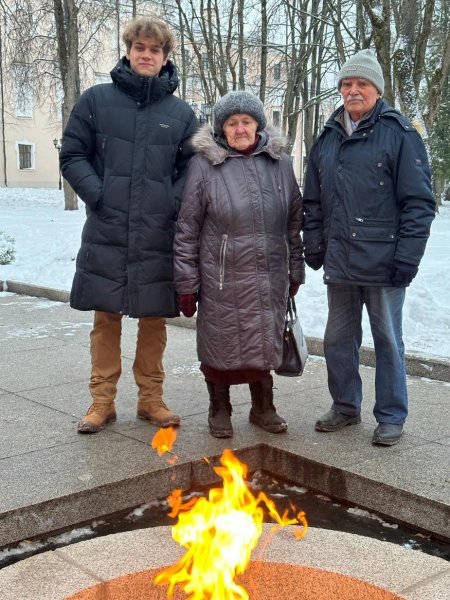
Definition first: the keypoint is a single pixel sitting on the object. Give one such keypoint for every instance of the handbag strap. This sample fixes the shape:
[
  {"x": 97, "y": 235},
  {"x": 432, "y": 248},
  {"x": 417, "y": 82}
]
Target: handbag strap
[{"x": 291, "y": 310}]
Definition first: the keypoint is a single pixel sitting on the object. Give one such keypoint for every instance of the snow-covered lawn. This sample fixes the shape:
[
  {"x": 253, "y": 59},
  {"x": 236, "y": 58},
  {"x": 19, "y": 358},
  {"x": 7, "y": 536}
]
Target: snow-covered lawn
[{"x": 47, "y": 240}]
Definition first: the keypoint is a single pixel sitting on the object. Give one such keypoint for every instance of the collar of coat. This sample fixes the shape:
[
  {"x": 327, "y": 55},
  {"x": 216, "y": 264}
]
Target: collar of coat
[
  {"x": 216, "y": 150},
  {"x": 144, "y": 89},
  {"x": 381, "y": 110}
]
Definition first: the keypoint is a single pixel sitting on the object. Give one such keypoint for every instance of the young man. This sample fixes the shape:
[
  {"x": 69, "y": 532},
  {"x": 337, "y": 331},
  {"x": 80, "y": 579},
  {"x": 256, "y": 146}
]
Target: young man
[
  {"x": 368, "y": 209},
  {"x": 125, "y": 152}
]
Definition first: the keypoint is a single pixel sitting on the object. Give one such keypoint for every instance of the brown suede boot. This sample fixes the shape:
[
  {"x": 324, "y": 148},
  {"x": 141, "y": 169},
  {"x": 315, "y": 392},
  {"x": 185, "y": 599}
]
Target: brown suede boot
[
  {"x": 157, "y": 413},
  {"x": 97, "y": 417}
]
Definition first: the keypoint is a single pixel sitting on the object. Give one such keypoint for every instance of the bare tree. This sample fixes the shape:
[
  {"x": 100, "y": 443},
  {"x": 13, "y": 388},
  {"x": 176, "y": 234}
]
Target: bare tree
[
  {"x": 312, "y": 85},
  {"x": 50, "y": 44},
  {"x": 2, "y": 108},
  {"x": 264, "y": 49},
  {"x": 229, "y": 40},
  {"x": 308, "y": 25},
  {"x": 405, "y": 35},
  {"x": 436, "y": 62},
  {"x": 66, "y": 19},
  {"x": 380, "y": 17},
  {"x": 437, "y": 99},
  {"x": 239, "y": 44}
]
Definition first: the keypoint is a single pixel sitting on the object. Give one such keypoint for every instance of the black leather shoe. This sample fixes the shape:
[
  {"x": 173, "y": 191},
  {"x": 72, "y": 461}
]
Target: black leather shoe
[
  {"x": 333, "y": 421},
  {"x": 387, "y": 434}
]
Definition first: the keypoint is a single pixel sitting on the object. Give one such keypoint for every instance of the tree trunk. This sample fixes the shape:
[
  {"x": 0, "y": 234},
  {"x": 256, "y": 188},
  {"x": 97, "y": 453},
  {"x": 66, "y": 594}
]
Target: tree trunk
[
  {"x": 241, "y": 44},
  {"x": 66, "y": 20},
  {"x": 437, "y": 84},
  {"x": 117, "y": 15},
  {"x": 379, "y": 12},
  {"x": 2, "y": 94},
  {"x": 263, "y": 59}
]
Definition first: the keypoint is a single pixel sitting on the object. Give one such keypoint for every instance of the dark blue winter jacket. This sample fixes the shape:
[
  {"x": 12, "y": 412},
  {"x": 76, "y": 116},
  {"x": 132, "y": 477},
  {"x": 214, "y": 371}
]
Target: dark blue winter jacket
[
  {"x": 125, "y": 152},
  {"x": 367, "y": 198}
]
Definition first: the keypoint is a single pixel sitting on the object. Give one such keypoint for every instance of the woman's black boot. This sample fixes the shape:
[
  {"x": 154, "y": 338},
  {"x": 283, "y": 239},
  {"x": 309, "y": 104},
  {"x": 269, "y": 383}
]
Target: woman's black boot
[
  {"x": 219, "y": 418},
  {"x": 263, "y": 413}
]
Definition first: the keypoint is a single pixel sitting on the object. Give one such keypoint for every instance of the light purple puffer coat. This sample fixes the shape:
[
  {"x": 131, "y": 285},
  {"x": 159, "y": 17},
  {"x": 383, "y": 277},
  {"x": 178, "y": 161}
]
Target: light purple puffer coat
[{"x": 238, "y": 244}]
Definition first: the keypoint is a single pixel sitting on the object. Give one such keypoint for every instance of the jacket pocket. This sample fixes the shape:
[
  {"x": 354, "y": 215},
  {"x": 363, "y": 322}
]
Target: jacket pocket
[
  {"x": 83, "y": 256},
  {"x": 100, "y": 168},
  {"x": 100, "y": 151},
  {"x": 170, "y": 200},
  {"x": 222, "y": 256},
  {"x": 371, "y": 245},
  {"x": 103, "y": 192}
]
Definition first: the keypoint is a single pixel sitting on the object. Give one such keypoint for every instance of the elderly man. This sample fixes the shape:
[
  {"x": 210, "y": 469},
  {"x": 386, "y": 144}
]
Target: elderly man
[{"x": 368, "y": 208}]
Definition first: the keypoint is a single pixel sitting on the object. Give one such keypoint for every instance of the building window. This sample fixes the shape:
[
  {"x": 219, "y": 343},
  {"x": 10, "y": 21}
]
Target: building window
[
  {"x": 25, "y": 156},
  {"x": 205, "y": 62},
  {"x": 244, "y": 67},
  {"x": 277, "y": 71},
  {"x": 276, "y": 118}
]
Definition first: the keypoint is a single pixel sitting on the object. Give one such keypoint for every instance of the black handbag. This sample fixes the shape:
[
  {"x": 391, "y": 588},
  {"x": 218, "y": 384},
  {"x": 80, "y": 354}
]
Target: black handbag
[{"x": 295, "y": 351}]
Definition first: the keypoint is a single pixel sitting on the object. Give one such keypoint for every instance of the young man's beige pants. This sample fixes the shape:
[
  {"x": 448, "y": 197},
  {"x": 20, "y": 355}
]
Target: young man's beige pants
[
  {"x": 106, "y": 356},
  {"x": 107, "y": 367}
]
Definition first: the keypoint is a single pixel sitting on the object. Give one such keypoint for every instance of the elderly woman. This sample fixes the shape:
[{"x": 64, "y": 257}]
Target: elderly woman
[{"x": 238, "y": 252}]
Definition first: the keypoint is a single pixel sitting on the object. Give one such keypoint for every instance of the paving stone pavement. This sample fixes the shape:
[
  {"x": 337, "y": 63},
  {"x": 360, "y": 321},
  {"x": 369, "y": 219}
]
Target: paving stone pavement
[{"x": 53, "y": 478}]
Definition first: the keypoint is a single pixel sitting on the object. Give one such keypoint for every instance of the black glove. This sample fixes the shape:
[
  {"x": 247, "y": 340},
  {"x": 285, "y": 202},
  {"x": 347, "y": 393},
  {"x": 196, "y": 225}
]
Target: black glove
[
  {"x": 315, "y": 261},
  {"x": 403, "y": 274}
]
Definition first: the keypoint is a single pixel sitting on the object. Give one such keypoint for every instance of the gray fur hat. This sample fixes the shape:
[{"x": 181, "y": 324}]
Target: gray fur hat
[
  {"x": 236, "y": 103},
  {"x": 363, "y": 64}
]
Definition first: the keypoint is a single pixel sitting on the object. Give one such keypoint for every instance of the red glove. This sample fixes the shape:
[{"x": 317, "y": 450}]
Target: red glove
[
  {"x": 187, "y": 304},
  {"x": 293, "y": 289}
]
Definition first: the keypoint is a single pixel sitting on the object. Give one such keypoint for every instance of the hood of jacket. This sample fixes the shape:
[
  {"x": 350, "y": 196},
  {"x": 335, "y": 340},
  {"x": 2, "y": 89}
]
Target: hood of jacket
[
  {"x": 144, "y": 89},
  {"x": 216, "y": 150}
]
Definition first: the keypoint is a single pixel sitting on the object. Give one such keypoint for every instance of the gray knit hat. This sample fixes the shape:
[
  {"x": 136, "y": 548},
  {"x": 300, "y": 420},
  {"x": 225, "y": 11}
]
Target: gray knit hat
[
  {"x": 363, "y": 64},
  {"x": 238, "y": 103}
]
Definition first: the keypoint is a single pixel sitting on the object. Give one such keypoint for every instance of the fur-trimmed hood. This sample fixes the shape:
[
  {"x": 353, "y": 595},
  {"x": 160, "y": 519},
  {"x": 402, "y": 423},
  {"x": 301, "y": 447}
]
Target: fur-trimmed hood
[{"x": 216, "y": 150}]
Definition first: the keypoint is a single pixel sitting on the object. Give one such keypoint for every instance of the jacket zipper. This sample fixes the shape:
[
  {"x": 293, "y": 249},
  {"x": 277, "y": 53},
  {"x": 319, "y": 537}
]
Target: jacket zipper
[
  {"x": 223, "y": 250},
  {"x": 287, "y": 255}
]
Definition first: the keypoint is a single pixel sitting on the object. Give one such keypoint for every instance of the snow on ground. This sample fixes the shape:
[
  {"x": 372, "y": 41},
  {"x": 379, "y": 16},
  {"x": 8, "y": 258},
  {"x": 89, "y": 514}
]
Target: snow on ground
[{"x": 47, "y": 240}]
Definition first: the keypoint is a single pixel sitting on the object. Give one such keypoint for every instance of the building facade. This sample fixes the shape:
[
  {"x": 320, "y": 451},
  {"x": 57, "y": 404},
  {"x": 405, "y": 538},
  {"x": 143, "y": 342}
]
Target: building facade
[{"x": 32, "y": 125}]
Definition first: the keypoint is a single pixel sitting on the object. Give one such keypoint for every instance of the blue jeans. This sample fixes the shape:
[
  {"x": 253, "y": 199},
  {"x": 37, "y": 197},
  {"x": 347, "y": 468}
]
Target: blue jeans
[{"x": 343, "y": 337}]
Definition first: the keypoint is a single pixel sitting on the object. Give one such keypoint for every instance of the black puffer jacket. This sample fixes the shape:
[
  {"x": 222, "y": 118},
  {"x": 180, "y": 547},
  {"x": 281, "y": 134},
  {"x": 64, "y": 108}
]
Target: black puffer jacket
[
  {"x": 125, "y": 153},
  {"x": 238, "y": 243},
  {"x": 367, "y": 198}
]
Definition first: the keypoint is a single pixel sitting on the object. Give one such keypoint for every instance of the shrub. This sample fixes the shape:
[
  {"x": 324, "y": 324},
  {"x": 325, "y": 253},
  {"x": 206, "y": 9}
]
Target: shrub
[{"x": 7, "y": 250}]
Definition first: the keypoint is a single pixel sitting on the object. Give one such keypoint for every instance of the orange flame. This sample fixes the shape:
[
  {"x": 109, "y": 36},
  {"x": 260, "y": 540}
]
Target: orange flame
[
  {"x": 164, "y": 439},
  {"x": 219, "y": 534}
]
